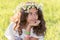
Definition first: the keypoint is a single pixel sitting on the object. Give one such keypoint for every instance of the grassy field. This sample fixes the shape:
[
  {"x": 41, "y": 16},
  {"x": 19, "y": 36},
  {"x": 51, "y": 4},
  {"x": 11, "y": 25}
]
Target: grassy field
[{"x": 51, "y": 12}]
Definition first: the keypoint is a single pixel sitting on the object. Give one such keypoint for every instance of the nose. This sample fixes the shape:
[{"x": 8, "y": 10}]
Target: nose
[{"x": 34, "y": 16}]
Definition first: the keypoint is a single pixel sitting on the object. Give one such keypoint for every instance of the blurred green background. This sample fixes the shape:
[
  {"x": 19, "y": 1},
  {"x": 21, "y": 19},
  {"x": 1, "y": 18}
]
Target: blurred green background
[{"x": 51, "y": 12}]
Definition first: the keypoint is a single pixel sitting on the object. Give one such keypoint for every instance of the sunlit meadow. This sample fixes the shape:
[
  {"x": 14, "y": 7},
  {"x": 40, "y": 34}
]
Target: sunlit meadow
[{"x": 51, "y": 12}]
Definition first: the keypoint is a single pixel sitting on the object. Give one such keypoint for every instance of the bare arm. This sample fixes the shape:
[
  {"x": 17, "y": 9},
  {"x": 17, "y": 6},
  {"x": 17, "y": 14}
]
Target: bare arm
[
  {"x": 33, "y": 38},
  {"x": 28, "y": 30}
]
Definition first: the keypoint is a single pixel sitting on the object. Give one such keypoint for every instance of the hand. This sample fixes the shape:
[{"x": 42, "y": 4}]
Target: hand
[{"x": 32, "y": 23}]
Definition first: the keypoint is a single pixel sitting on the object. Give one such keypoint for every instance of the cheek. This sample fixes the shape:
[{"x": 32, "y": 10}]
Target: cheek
[
  {"x": 37, "y": 17},
  {"x": 28, "y": 19},
  {"x": 31, "y": 18}
]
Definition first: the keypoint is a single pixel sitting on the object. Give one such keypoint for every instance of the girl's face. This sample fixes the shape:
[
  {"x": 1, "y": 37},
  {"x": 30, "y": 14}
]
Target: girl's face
[{"x": 32, "y": 16}]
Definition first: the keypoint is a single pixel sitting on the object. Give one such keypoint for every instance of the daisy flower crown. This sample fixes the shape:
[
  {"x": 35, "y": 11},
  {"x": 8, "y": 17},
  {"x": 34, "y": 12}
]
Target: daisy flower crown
[{"x": 26, "y": 6}]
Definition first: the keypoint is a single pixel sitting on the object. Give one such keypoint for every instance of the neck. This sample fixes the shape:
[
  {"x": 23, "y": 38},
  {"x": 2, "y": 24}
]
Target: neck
[{"x": 26, "y": 27}]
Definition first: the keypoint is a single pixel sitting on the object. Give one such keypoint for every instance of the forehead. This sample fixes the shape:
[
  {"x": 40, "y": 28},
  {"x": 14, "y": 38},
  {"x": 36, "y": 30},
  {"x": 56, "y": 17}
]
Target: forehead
[{"x": 33, "y": 10}]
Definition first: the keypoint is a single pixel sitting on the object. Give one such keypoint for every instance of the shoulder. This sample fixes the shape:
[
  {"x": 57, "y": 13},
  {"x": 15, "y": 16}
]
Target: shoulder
[{"x": 9, "y": 31}]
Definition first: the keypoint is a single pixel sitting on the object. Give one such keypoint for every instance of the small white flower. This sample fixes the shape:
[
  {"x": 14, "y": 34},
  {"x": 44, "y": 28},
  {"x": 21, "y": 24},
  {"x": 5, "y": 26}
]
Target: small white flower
[{"x": 29, "y": 4}]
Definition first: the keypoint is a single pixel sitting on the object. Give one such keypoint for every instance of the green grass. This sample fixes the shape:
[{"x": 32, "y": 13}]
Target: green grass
[{"x": 51, "y": 12}]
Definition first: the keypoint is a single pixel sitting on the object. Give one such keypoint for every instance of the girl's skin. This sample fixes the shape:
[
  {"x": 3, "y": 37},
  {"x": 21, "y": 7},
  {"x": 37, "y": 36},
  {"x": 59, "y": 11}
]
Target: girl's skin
[{"x": 33, "y": 21}]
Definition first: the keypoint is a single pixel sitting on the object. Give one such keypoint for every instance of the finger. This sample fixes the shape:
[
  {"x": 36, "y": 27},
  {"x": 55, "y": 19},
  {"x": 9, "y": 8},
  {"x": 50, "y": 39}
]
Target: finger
[{"x": 37, "y": 23}]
